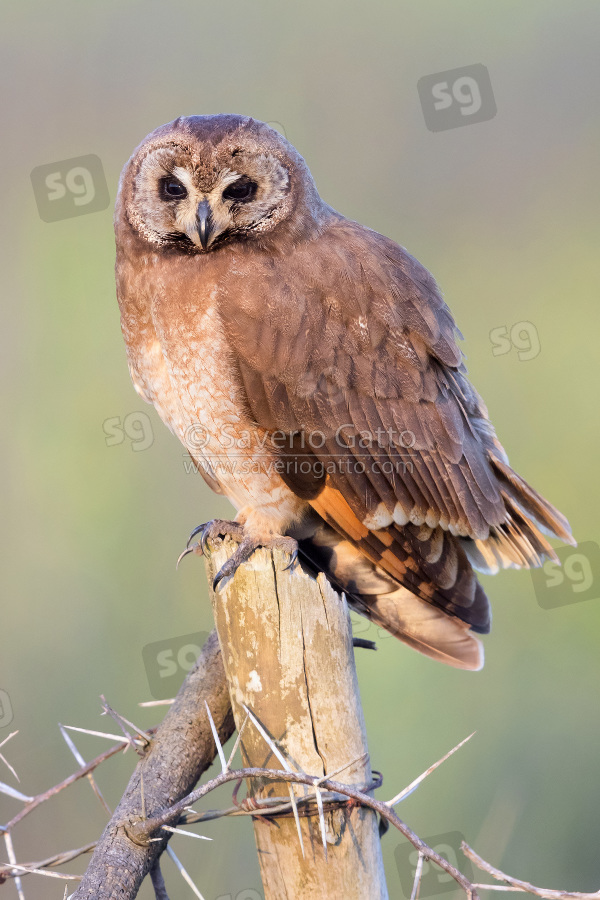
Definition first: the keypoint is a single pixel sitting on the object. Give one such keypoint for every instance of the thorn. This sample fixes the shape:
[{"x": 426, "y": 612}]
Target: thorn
[
  {"x": 105, "y": 734},
  {"x": 158, "y": 702},
  {"x": 268, "y": 740},
  {"x": 7, "y": 739},
  {"x": 285, "y": 765},
  {"x": 78, "y": 757},
  {"x": 415, "y": 784},
  {"x": 3, "y": 758},
  {"x": 183, "y": 872},
  {"x": 30, "y": 870},
  {"x": 341, "y": 768},
  {"x": 321, "y": 819},
  {"x": 217, "y": 740},
  {"x": 296, "y": 817},
  {"x": 8, "y": 766},
  {"x": 107, "y": 710},
  {"x": 143, "y": 734},
  {"x": 201, "y": 837},
  {"x": 119, "y": 719},
  {"x": 417, "y": 882},
  {"x": 12, "y": 792},
  {"x": 237, "y": 741},
  {"x": 90, "y": 776},
  {"x": 10, "y": 850}
]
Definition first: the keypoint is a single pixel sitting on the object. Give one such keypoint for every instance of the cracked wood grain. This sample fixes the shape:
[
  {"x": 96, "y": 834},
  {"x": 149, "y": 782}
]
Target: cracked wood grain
[{"x": 287, "y": 651}]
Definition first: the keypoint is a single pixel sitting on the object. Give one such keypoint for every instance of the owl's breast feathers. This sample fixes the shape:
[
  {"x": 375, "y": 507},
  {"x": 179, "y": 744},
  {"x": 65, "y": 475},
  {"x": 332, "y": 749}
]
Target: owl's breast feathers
[{"x": 334, "y": 365}]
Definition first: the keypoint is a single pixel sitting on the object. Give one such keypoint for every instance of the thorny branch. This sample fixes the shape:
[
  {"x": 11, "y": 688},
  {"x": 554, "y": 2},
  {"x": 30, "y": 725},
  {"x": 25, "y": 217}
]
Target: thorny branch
[
  {"x": 33, "y": 802},
  {"x": 175, "y": 756},
  {"x": 335, "y": 794},
  {"x": 515, "y": 884},
  {"x": 141, "y": 839},
  {"x": 151, "y": 826}
]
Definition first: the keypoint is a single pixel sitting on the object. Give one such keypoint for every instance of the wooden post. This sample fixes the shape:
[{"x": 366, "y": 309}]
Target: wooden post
[{"x": 286, "y": 642}]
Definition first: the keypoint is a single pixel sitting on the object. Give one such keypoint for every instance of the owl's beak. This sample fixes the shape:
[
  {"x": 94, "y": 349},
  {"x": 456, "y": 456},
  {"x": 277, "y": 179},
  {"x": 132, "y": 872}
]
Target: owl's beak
[{"x": 204, "y": 223}]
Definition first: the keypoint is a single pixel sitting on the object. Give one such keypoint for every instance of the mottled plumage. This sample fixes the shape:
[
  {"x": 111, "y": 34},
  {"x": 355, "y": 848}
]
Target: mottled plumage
[{"x": 311, "y": 368}]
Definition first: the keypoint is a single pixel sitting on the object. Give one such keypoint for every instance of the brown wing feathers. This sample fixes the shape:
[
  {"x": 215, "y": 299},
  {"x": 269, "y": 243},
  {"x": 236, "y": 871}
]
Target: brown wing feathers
[
  {"x": 355, "y": 359},
  {"x": 428, "y": 562},
  {"x": 371, "y": 592}
]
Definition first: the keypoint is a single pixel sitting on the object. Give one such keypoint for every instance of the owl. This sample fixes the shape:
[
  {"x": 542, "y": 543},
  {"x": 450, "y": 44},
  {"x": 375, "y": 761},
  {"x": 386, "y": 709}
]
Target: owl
[{"x": 311, "y": 368}]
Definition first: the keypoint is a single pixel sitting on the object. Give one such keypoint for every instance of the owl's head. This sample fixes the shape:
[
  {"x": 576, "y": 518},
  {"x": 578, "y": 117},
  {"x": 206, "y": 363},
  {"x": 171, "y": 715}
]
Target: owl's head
[{"x": 204, "y": 181}]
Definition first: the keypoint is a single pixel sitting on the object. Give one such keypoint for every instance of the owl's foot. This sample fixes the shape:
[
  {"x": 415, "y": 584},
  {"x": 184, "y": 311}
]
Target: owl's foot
[
  {"x": 246, "y": 549},
  {"x": 216, "y": 529}
]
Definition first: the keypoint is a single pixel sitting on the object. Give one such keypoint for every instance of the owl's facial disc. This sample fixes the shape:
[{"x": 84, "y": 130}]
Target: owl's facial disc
[{"x": 180, "y": 201}]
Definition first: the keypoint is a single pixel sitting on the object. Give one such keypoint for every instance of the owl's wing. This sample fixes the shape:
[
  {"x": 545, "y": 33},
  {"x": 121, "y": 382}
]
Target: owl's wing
[{"x": 349, "y": 359}]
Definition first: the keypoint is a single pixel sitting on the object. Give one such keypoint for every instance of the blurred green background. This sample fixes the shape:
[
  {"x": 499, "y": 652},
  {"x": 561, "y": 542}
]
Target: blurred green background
[{"x": 504, "y": 212}]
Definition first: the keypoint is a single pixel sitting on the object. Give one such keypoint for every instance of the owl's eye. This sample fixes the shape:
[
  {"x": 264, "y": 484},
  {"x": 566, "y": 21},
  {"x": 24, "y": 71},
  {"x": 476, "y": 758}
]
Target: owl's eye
[
  {"x": 241, "y": 190},
  {"x": 171, "y": 189}
]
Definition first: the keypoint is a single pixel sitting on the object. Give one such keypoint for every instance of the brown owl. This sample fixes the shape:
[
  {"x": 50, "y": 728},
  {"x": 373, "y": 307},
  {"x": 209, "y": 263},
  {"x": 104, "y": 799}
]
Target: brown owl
[{"x": 311, "y": 368}]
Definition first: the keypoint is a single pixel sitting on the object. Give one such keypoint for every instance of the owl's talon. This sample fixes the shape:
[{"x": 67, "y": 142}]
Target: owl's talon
[
  {"x": 288, "y": 545},
  {"x": 229, "y": 568},
  {"x": 196, "y": 531},
  {"x": 216, "y": 585},
  {"x": 204, "y": 543},
  {"x": 293, "y": 561},
  {"x": 183, "y": 554},
  {"x": 213, "y": 530}
]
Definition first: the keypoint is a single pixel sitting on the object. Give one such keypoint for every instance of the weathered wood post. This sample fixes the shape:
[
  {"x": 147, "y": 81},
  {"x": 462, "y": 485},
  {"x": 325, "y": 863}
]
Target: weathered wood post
[{"x": 286, "y": 642}]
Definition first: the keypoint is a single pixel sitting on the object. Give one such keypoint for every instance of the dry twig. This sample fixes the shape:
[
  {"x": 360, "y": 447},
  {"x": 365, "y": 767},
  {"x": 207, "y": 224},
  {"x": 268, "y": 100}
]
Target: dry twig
[
  {"x": 515, "y": 884},
  {"x": 172, "y": 759}
]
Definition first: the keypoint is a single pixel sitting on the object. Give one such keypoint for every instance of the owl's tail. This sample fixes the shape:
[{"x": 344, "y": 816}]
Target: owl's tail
[
  {"x": 520, "y": 542},
  {"x": 419, "y": 582},
  {"x": 372, "y": 592}
]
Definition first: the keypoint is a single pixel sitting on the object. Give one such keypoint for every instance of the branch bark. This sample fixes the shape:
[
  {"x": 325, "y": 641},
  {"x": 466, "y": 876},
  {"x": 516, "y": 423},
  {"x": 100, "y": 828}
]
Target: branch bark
[
  {"x": 288, "y": 656},
  {"x": 182, "y": 749}
]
